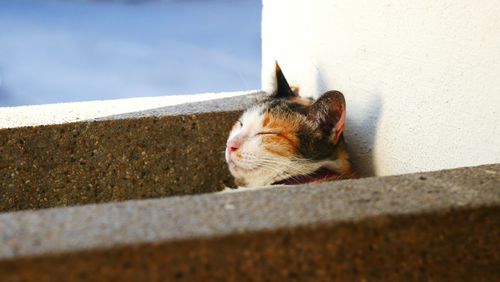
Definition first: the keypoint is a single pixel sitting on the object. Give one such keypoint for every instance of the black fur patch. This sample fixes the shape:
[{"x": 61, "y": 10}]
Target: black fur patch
[{"x": 313, "y": 144}]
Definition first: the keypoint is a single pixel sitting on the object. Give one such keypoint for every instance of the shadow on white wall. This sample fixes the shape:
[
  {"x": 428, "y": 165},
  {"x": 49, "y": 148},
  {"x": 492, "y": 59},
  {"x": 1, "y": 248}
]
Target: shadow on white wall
[{"x": 420, "y": 78}]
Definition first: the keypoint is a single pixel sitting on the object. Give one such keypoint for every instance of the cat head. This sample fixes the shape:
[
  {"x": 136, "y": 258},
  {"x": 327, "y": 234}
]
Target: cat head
[{"x": 285, "y": 137}]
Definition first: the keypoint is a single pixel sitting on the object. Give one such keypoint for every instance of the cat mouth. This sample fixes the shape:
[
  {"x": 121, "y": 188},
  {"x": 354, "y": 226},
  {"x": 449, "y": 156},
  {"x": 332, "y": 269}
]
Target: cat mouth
[{"x": 239, "y": 168}]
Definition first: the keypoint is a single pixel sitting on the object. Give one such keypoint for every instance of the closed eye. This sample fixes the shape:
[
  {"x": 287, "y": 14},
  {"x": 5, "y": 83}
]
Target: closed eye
[{"x": 267, "y": 133}]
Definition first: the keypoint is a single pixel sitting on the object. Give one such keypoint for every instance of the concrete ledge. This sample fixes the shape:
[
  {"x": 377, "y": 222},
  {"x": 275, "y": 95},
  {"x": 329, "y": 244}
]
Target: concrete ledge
[
  {"x": 60, "y": 113},
  {"x": 441, "y": 225},
  {"x": 154, "y": 153}
]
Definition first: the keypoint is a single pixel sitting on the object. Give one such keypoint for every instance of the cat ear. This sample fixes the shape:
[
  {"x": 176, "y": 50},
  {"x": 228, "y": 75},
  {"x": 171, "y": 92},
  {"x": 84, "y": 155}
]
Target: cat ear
[
  {"x": 328, "y": 113},
  {"x": 283, "y": 90}
]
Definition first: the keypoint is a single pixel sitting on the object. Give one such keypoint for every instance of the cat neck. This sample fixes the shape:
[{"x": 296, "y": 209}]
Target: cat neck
[{"x": 321, "y": 175}]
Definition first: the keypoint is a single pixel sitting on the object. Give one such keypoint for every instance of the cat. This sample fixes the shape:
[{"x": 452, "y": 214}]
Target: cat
[{"x": 285, "y": 139}]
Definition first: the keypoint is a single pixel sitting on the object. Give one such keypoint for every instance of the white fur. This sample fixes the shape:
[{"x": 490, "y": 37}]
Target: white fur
[{"x": 259, "y": 167}]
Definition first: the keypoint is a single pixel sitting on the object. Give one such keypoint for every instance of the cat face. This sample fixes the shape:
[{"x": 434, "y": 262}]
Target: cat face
[{"x": 284, "y": 137}]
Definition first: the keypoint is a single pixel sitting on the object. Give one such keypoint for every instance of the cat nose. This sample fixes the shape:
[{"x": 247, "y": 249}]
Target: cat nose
[{"x": 232, "y": 145}]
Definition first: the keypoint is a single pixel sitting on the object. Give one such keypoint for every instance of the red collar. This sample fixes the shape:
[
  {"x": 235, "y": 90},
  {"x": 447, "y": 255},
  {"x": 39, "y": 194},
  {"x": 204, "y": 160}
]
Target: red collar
[{"x": 322, "y": 174}]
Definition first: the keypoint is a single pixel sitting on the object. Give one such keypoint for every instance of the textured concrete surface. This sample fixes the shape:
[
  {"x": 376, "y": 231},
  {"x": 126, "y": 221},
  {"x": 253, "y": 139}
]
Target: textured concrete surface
[
  {"x": 440, "y": 226},
  {"x": 159, "y": 152}
]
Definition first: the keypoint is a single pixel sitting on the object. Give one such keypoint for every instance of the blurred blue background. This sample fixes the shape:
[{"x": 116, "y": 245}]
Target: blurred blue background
[{"x": 60, "y": 51}]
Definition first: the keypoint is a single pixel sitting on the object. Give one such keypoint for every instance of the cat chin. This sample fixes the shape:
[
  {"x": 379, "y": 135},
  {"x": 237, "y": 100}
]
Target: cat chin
[
  {"x": 252, "y": 180},
  {"x": 255, "y": 178},
  {"x": 233, "y": 167},
  {"x": 240, "y": 182},
  {"x": 255, "y": 183}
]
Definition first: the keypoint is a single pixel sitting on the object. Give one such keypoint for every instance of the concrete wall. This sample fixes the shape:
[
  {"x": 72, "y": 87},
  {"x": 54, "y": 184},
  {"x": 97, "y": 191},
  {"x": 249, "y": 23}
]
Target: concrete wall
[
  {"x": 151, "y": 153},
  {"x": 421, "y": 78},
  {"x": 436, "y": 226}
]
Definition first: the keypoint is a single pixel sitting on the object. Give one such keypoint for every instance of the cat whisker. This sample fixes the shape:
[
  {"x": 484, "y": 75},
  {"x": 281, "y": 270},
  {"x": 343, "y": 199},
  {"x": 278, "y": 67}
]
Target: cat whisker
[
  {"x": 277, "y": 167},
  {"x": 286, "y": 164}
]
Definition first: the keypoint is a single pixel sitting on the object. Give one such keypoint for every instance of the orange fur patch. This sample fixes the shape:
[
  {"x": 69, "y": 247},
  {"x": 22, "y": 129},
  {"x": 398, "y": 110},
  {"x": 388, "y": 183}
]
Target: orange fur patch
[
  {"x": 280, "y": 125},
  {"x": 285, "y": 141},
  {"x": 266, "y": 121},
  {"x": 279, "y": 145}
]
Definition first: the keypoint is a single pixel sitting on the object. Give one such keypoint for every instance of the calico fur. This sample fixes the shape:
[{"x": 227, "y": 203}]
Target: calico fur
[{"x": 286, "y": 139}]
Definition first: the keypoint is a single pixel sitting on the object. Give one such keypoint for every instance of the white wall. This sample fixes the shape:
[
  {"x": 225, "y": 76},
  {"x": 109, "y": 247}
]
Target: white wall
[{"x": 421, "y": 78}]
